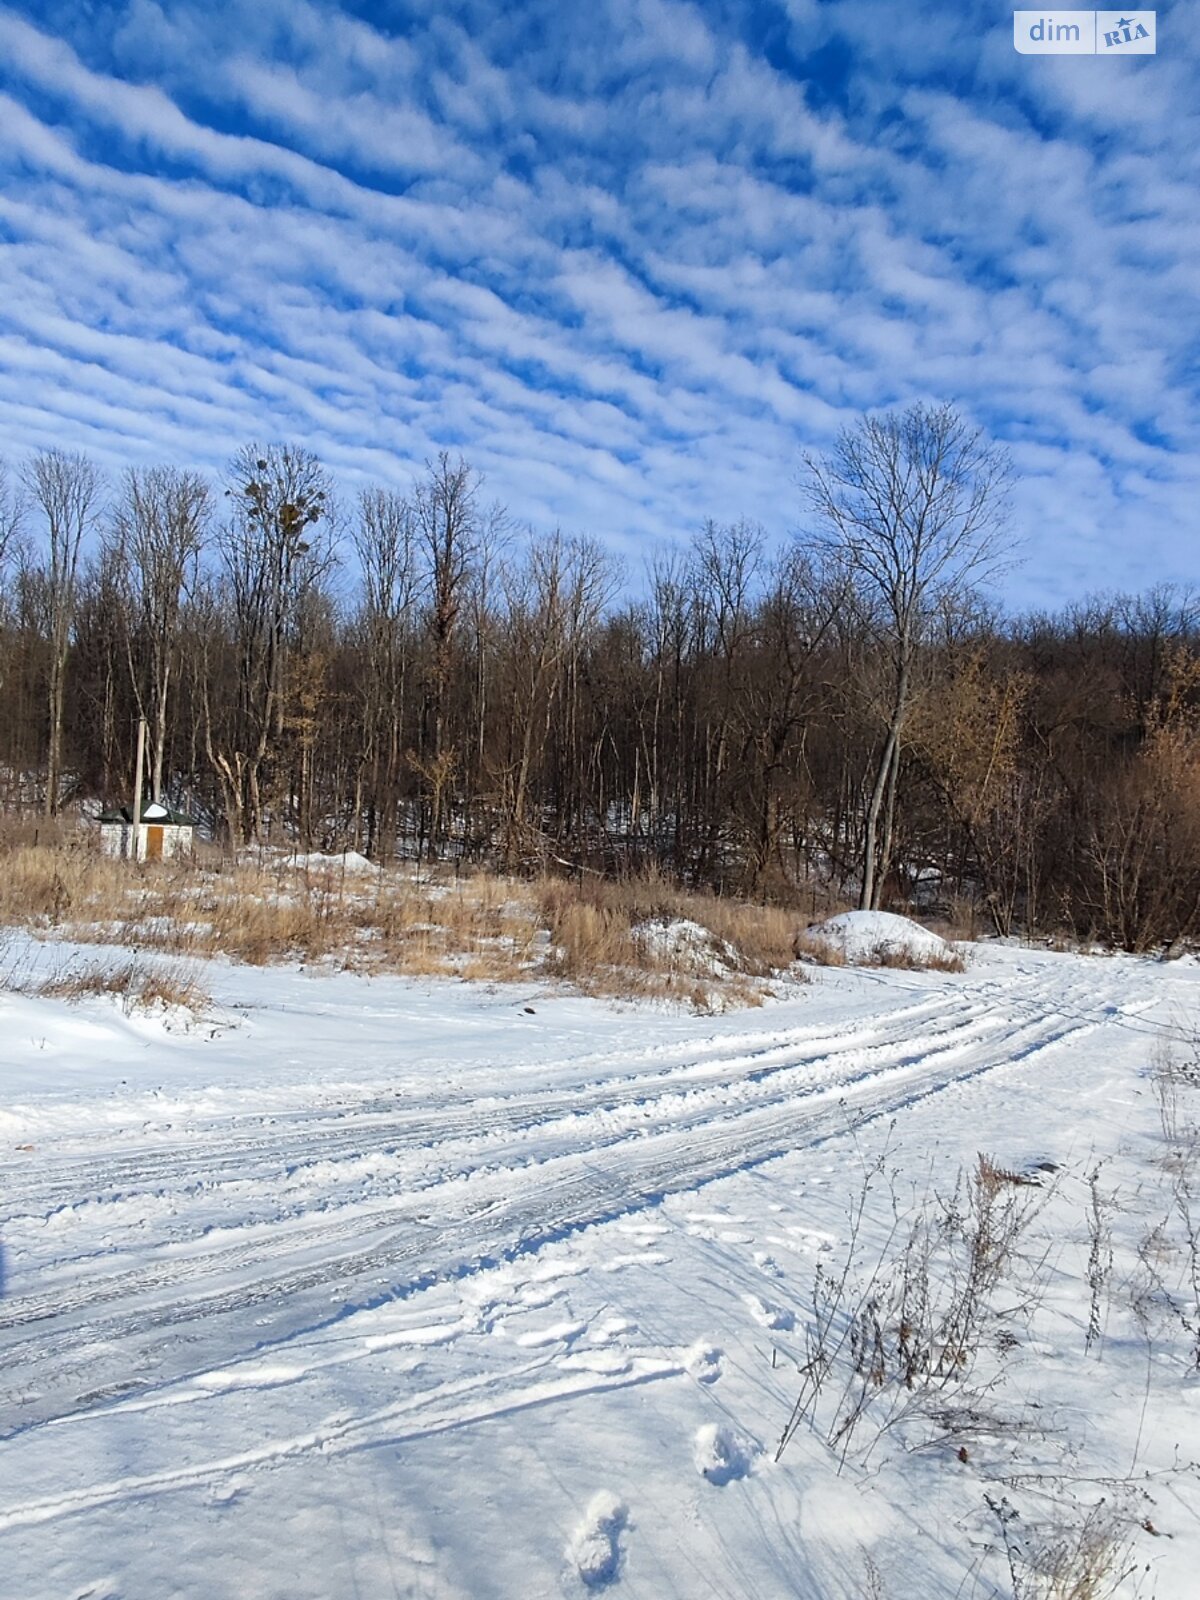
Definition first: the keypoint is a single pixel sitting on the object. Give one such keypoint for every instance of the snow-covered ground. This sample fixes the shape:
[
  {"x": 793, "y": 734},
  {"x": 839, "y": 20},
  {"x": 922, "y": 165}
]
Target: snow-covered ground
[{"x": 370, "y": 1287}]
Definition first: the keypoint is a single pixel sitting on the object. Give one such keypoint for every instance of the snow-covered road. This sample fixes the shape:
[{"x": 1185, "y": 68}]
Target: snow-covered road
[
  {"x": 342, "y": 1176},
  {"x": 216, "y": 1236}
]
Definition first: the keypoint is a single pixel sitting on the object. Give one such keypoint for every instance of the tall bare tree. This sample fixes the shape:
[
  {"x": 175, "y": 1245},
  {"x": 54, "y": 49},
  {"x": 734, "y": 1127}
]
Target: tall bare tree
[
  {"x": 385, "y": 538},
  {"x": 272, "y": 552},
  {"x": 65, "y": 489},
  {"x": 554, "y": 601},
  {"x": 915, "y": 505},
  {"x": 158, "y": 532},
  {"x": 11, "y": 516},
  {"x": 447, "y": 514}
]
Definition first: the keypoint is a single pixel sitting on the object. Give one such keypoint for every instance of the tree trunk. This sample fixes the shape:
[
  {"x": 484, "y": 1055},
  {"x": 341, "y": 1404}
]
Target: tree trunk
[{"x": 866, "y": 900}]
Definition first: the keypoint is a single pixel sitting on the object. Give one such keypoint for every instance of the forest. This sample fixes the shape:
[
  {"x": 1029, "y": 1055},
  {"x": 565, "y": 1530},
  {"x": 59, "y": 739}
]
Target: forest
[{"x": 411, "y": 673}]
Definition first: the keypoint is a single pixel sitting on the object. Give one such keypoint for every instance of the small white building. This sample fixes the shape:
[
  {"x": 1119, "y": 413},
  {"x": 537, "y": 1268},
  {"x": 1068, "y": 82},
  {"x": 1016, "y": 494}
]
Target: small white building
[{"x": 161, "y": 834}]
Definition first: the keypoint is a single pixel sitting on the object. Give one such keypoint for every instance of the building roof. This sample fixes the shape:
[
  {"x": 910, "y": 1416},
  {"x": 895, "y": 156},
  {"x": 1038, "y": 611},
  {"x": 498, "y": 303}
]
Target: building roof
[{"x": 152, "y": 811}]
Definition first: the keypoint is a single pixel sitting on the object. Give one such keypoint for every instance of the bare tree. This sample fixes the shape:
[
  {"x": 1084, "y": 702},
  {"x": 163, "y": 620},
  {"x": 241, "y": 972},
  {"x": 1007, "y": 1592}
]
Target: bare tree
[
  {"x": 554, "y": 601},
  {"x": 158, "y": 531},
  {"x": 915, "y": 504},
  {"x": 493, "y": 542},
  {"x": 11, "y": 514},
  {"x": 447, "y": 518},
  {"x": 385, "y": 542},
  {"x": 66, "y": 490},
  {"x": 723, "y": 581},
  {"x": 272, "y": 555}
]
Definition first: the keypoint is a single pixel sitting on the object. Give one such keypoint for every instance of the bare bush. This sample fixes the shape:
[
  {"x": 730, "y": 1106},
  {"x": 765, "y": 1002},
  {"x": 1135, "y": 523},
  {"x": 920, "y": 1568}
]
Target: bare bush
[
  {"x": 809, "y": 947},
  {"x": 906, "y": 960},
  {"x": 1087, "y": 1558},
  {"x": 138, "y": 987},
  {"x": 888, "y": 1341},
  {"x": 812, "y": 946}
]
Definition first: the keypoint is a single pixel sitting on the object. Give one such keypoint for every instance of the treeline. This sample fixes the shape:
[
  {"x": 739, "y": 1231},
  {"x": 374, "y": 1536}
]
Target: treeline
[{"x": 411, "y": 674}]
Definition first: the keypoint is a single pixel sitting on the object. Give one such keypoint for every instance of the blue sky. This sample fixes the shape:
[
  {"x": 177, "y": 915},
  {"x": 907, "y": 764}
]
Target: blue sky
[{"x": 630, "y": 257}]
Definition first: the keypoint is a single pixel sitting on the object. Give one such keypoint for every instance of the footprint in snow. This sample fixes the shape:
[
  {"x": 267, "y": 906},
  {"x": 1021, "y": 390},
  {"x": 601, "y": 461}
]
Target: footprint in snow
[
  {"x": 649, "y": 1230},
  {"x": 611, "y": 1328},
  {"x": 766, "y": 1315},
  {"x": 723, "y": 1454},
  {"x": 547, "y": 1271},
  {"x": 644, "y": 1258},
  {"x": 812, "y": 1240},
  {"x": 227, "y": 1493},
  {"x": 768, "y": 1264},
  {"x": 603, "y": 1363},
  {"x": 565, "y": 1332},
  {"x": 535, "y": 1296},
  {"x": 595, "y": 1548},
  {"x": 703, "y": 1362}
]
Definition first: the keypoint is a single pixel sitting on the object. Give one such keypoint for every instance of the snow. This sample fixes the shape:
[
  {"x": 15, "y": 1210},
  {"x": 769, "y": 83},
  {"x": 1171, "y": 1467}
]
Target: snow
[
  {"x": 861, "y": 935},
  {"x": 347, "y": 861},
  {"x": 370, "y": 1286},
  {"x": 691, "y": 947}
]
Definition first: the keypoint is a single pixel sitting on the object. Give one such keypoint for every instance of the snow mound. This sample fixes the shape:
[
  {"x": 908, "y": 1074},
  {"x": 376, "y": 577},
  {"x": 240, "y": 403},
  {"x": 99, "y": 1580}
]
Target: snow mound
[
  {"x": 345, "y": 861},
  {"x": 685, "y": 945},
  {"x": 868, "y": 935}
]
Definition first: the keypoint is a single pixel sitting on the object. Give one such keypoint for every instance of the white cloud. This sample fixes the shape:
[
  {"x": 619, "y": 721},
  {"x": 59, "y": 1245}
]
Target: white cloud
[{"x": 624, "y": 262}]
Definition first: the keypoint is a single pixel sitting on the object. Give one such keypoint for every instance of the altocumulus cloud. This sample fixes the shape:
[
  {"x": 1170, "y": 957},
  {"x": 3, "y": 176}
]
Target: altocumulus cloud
[{"x": 631, "y": 258}]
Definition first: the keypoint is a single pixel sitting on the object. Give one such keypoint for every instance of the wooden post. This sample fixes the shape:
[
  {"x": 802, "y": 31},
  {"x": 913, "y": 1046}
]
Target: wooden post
[{"x": 137, "y": 784}]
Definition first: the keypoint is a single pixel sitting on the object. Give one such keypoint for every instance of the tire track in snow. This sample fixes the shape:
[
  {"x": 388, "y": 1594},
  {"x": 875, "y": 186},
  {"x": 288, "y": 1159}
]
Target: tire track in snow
[
  {"x": 381, "y": 1120},
  {"x": 516, "y": 1137},
  {"x": 195, "y": 1306},
  {"x": 443, "y": 1409}
]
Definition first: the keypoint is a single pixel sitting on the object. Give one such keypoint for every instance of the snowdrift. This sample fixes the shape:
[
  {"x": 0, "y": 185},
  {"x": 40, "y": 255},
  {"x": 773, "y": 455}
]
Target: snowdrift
[
  {"x": 684, "y": 945},
  {"x": 879, "y": 936},
  {"x": 347, "y": 861}
]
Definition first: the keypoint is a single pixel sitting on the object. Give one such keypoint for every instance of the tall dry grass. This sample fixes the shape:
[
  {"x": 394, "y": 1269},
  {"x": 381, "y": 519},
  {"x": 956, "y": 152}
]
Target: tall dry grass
[
  {"x": 138, "y": 985},
  {"x": 609, "y": 936},
  {"x": 267, "y": 911},
  {"x": 602, "y": 937},
  {"x": 810, "y": 946}
]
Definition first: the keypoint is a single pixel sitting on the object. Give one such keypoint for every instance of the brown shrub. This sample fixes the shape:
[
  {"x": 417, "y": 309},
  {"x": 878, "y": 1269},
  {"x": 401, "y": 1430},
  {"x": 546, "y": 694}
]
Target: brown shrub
[
  {"x": 602, "y": 936},
  {"x": 808, "y": 947},
  {"x": 902, "y": 960},
  {"x": 138, "y": 987}
]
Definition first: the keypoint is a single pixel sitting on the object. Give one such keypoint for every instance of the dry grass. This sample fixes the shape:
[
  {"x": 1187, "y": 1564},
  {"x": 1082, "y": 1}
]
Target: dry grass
[
  {"x": 992, "y": 1177},
  {"x": 809, "y": 946},
  {"x": 261, "y": 912},
  {"x": 137, "y": 986},
  {"x": 947, "y": 960},
  {"x": 1087, "y": 1556},
  {"x": 603, "y": 937},
  {"x": 622, "y": 937}
]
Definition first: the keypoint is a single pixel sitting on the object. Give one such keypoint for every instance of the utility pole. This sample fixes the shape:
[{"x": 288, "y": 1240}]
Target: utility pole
[{"x": 137, "y": 785}]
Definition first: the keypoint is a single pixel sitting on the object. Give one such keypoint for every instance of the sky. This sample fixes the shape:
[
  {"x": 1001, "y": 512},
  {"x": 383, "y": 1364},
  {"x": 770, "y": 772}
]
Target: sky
[{"x": 630, "y": 258}]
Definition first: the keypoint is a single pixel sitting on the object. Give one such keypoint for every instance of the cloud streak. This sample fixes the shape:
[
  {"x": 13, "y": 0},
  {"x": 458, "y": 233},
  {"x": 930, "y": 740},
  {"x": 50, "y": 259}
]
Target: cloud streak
[{"x": 631, "y": 260}]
